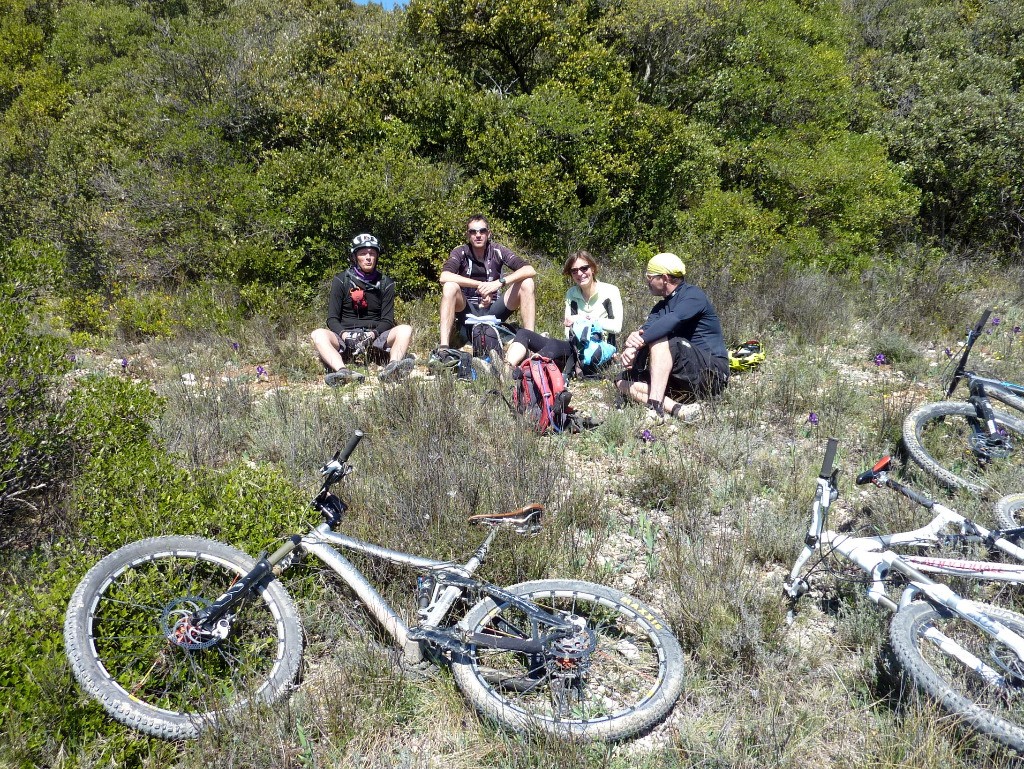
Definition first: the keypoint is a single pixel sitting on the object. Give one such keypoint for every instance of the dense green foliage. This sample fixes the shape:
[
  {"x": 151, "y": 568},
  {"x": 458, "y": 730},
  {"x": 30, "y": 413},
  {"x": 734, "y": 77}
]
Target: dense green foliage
[
  {"x": 34, "y": 429},
  {"x": 154, "y": 144},
  {"x": 948, "y": 77},
  {"x": 193, "y": 168}
]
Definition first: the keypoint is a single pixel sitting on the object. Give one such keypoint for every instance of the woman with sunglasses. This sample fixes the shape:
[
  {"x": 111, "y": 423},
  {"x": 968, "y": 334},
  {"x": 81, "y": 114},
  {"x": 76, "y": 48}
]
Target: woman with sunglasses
[{"x": 588, "y": 302}]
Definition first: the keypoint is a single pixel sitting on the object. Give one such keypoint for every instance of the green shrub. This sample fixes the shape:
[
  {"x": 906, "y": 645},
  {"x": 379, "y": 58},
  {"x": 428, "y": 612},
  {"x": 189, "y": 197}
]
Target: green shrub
[
  {"x": 144, "y": 315},
  {"x": 35, "y": 437}
]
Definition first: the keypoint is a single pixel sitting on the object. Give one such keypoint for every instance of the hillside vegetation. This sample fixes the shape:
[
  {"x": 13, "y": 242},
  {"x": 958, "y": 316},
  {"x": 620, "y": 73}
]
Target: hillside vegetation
[{"x": 179, "y": 180}]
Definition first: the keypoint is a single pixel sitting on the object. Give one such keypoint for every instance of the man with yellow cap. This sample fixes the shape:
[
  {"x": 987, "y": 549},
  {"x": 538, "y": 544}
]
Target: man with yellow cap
[{"x": 679, "y": 354}]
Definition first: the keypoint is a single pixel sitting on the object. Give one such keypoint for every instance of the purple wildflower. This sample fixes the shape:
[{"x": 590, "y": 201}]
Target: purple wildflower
[
  {"x": 260, "y": 371},
  {"x": 235, "y": 346},
  {"x": 1016, "y": 329},
  {"x": 948, "y": 352},
  {"x": 647, "y": 436},
  {"x": 813, "y": 418},
  {"x": 995, "y": 321},
  {"x": 124, "y": 363},
  {"x": 72, "y": 357},
  {"x": 880, "y": 359}
]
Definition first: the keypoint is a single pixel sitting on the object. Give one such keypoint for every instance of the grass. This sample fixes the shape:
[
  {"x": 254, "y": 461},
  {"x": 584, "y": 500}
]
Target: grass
[{"x": 702, "y": 521}]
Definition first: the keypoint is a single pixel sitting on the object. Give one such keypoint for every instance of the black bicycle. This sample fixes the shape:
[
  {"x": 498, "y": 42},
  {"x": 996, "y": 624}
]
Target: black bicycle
[
  {"x": 175, "y": 634},
  {"x": 970, "y": 445}
]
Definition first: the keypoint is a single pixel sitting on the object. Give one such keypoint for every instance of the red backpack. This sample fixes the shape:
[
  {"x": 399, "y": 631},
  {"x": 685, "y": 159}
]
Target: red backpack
[{"x": 539, "y": 394}]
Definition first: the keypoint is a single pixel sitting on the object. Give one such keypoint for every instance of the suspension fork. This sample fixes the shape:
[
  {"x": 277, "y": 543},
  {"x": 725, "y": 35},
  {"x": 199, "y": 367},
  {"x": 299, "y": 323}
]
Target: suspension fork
[{"x": 207, "y": 619}]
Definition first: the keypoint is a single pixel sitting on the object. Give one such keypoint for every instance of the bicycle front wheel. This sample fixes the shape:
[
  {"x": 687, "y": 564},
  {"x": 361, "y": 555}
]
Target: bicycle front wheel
[
  {"x": 949, "y": 441},
  {"x": 1010, "y": 511},
  {"x": 967, "y": 671},
  {"x": 131, "y": 647},
  {"x": 618, "y": 676}
]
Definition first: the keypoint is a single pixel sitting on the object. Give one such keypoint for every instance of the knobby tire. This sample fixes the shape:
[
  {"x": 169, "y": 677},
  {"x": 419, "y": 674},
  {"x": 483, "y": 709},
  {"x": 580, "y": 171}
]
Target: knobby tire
[
  {"x": 997, "y": 711},
  {"x": 634, "y": 677},
  {"x": 935, "y": 436},
  {"x": 120, "y": 652},
  {"x": 1010, "y": 511}
]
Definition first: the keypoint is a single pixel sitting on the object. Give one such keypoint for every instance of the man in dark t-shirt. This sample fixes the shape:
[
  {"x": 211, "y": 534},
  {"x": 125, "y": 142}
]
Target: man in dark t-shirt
[
  {"x": 679, "y": 354},
  {"x": 472, "y": 283},
  {"x": 361, "y": 319}
]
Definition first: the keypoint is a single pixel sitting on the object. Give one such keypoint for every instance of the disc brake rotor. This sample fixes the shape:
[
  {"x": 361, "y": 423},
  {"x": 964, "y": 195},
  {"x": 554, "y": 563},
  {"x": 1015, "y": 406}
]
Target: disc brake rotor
[
  {"x": 1009, "y": 662},
  {"x": 990, "y": 448},
  {"x": 177, "y": 626},
  {"x": 571, "y": 655}
]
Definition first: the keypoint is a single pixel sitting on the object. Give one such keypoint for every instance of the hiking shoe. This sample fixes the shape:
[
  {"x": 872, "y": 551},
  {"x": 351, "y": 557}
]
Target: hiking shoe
[
  {"x": 443, "y": 359},
  {"x": 397, "y": 369},
  {"x": 483, "y": 368},
  {"x": 687, "y": 412},
  {"x": 342, "y": 376}
]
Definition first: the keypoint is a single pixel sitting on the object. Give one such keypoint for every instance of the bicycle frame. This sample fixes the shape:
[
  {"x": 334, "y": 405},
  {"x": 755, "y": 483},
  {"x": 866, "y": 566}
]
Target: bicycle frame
[
  {"x": 873, "y": 556},
  {"x": 322, "y": 542},
  {"x": 1006, "y": 392}
]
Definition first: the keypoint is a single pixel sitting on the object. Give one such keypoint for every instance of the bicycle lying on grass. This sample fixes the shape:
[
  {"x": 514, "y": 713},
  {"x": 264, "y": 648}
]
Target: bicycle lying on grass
[
  {"x": 174, "y": 634},
  {"x": 968, "y": 656},
  {"x": 956, "y": 441}
]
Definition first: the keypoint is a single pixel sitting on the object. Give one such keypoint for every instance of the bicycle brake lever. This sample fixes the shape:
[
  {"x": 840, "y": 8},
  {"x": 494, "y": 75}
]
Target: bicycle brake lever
[
  {"x": 334, "y": 466},
  {"x": 876, "y": 474}
]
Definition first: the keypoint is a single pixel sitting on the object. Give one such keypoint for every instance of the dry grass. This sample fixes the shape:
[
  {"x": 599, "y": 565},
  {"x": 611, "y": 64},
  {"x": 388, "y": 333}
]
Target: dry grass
[{"x": 703, "y": 522}]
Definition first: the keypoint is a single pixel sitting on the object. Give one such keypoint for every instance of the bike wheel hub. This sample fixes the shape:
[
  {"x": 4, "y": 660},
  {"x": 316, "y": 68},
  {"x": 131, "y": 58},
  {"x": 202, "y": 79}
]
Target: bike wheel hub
[
  {"x": 571, "y": 654},
  {"x": 177, "y": 626}
]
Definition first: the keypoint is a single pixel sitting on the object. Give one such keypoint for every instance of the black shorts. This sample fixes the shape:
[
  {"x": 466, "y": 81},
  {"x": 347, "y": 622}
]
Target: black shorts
[
  {"x": 696, "y": 373},
  {"x": 378, "y": 352}
]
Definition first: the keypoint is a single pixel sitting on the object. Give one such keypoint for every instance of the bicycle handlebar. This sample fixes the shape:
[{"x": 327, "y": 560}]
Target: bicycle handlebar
[
  {"x": 910, "y": 494},
  {"x": 878, "y": 475},
  {"x": 830, "y": 457},
  {"x": 346, "y": 452},
  {"x": 981, "y": 323},
  {"x": 868, "y": 476}
]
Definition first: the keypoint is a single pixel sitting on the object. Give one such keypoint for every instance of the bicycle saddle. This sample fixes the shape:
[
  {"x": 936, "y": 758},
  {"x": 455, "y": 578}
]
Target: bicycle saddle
[{"x": 525, "y": 519}]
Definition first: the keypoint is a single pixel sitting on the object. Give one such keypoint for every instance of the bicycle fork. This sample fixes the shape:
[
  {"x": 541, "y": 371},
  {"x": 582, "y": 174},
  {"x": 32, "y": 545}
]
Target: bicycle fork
[
  {"x": 942, "y": 596},
  {"x": 215, "y": 619}
]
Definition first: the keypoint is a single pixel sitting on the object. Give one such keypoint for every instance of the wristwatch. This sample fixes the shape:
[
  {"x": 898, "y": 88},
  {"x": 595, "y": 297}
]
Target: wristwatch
[{"x": 501, "y": 280}]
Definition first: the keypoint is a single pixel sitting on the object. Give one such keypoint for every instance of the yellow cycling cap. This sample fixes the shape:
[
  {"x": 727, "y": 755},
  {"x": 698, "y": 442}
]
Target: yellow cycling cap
[{"x": 666, "y": 264}]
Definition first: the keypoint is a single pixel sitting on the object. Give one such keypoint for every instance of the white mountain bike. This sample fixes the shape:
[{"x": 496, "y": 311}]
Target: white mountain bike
[
  {"x": 176, "y": 634},
  {"x": 968, "y": 656}
]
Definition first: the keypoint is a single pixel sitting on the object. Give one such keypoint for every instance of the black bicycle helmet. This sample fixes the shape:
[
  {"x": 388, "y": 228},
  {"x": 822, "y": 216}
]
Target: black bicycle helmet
[{"x": 364, "y": 241}]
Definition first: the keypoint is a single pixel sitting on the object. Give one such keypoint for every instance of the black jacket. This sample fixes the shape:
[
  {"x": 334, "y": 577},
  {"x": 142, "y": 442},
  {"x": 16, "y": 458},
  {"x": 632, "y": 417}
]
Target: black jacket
[{"x": 344, "y": 315}]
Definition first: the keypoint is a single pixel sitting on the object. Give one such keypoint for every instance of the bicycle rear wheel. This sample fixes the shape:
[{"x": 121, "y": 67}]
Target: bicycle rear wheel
[
  {"x": 994, "y": 707},
  {"x": 131, "y": 647},
  {"x": 949, "y": 441},
  {"x": 624, "y": 684}
]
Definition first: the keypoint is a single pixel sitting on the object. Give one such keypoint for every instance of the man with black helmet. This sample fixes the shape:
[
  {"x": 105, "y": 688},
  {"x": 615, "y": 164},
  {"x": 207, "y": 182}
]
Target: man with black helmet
[
  {"x": 361, "y": 319},
  {"x": 472, "y": 283},
  {"x": 679, "y": 354}
]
